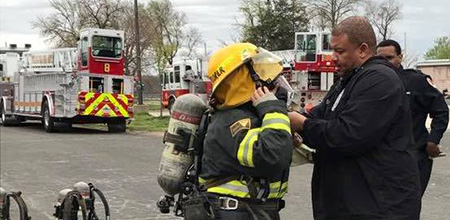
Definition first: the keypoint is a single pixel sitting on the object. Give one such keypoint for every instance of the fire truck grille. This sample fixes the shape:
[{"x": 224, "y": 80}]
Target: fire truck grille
[{"x": 105, "y": 104}]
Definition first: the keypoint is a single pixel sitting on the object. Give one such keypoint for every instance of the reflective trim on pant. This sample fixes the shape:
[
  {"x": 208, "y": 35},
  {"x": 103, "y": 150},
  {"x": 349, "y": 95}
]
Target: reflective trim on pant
[
  {"x": 239, "y": 189},
  {"x": 233, "y": 188},
  {"x": 277, "y": 191}
]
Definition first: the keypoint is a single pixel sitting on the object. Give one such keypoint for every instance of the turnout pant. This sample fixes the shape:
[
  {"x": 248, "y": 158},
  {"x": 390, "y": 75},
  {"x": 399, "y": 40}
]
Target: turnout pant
[{"x": 247, "y": 210}]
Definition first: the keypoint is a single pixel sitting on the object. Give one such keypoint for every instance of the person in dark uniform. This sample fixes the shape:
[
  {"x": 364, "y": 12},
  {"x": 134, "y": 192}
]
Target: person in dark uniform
[
  {"x": 364, "y": 167},
  {"x": 425, "y": 99},
  {"x": 248, "y": 146}
]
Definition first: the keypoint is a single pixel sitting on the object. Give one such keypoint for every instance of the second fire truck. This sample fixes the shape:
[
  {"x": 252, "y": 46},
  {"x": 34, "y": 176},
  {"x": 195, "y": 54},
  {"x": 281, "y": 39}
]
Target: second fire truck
[
  {"x": 72, "y": 85},
  {"x": 185, "y": 76}
]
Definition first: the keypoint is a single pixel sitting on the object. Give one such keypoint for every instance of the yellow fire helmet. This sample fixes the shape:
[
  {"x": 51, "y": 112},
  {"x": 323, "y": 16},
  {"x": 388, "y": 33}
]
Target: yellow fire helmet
[{"x": 235, "y": 70}]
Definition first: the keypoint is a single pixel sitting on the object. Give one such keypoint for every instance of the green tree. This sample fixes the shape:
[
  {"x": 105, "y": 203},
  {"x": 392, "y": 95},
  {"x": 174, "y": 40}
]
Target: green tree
[
  {"x": 272, "y": 23},
  {"x": 166, "y": 32},
  {"x": 440, "y": 50}
]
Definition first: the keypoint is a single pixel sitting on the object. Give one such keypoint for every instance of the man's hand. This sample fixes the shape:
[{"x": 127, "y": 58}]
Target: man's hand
[
  {"x": 433, "y": 149},
  {"x": 297, "y": 121},
  {"x": 297, "y": 139},
  {"x": 262, "y": 94}
]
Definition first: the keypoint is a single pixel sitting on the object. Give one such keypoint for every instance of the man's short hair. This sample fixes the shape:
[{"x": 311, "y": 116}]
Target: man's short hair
[
  {"x": 358, "y": 31},
  {"x": 388, "y": 43}
]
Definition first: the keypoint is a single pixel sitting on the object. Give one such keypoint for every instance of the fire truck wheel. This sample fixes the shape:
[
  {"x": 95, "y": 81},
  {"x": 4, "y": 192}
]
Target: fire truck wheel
[
  {"x": 3, "y": 119},
  {"x": 47, "y": 120},
  {"x": 117, "y": 127}
]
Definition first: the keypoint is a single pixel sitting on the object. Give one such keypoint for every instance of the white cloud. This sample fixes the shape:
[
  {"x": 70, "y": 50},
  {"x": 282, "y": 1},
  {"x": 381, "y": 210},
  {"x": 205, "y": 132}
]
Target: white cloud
[
  {"x": 422, "y": 22},
  {"x": 15, "y": 22}
]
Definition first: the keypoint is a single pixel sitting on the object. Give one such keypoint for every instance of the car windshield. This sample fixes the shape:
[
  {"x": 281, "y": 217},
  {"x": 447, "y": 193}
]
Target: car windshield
[{"x": 110, "y": 47}]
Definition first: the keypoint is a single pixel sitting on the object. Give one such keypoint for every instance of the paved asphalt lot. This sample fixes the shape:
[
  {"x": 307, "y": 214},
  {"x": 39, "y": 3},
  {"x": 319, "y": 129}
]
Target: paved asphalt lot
[{"x": 125, "y": 166}]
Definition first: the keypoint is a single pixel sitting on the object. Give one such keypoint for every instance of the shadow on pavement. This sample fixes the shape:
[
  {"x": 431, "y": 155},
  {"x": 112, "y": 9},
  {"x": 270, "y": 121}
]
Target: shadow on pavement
[{"x": 76, "y": 129}]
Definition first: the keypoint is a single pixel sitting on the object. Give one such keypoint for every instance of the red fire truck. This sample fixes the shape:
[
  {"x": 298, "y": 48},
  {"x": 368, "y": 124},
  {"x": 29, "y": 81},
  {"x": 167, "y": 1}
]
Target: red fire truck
[
  {"x": 313, "y": 71},
  {"x": 185, "y": 76},
  {"x": 72, "y": 85}
]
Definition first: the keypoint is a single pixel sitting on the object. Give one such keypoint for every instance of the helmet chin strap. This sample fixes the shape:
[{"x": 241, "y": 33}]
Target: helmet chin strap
[
  {"x": 253, "y": 74},
  {"x": 256, "y": 79}
]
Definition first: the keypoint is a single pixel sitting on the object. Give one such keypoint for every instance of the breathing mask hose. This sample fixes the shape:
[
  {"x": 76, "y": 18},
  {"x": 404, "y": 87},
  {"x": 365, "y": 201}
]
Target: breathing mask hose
[{"x": 92, "y": 214}]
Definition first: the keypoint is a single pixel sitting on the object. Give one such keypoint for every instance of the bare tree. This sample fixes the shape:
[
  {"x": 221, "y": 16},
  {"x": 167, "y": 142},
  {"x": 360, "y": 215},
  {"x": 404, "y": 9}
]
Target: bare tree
[
  {"x": 166, "y": 32},
  {"x": 62, "y": 27},
  {"x": 320, "y": 22},
  {"x": 101, "y": 13},
  {"x": 192, "y": 39},
  {"x": 410, "y": 59},
  {"x": 329, "y": 12},
  {"x": 126, "y": 23},
  {"x": 161, "y": 28},
  {"x": 382, "y": 16}
]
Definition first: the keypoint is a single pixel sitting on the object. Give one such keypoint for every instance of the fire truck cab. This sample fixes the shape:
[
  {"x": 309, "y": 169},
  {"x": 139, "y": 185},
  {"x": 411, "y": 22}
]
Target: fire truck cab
[
  {"x": 185, "y": 76},
  {"x": 314, "y": 72}
]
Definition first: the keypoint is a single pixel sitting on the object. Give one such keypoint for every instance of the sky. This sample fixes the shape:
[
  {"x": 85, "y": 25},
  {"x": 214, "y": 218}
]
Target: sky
[{"x": 422, "y": 21}]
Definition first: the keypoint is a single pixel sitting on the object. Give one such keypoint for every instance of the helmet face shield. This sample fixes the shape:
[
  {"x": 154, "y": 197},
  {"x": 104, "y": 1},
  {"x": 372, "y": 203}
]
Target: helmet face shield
[
  {"x": 281, "y": 82},
  {"x": 266, "y": 65}
]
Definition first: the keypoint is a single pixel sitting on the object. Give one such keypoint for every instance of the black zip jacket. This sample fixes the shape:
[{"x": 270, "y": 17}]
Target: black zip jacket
[
  {"x": 364, "y": 167},
  {"x": 425, "y": 99}
]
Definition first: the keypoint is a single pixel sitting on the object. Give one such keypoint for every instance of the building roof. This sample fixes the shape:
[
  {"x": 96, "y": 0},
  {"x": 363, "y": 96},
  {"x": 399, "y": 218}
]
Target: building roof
[{"x": 441, "y": 62}]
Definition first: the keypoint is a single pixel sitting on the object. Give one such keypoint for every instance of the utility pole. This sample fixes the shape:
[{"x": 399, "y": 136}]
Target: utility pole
[
  {"x": 404, "y": 46},
  {"x": 138, "y": 53}
]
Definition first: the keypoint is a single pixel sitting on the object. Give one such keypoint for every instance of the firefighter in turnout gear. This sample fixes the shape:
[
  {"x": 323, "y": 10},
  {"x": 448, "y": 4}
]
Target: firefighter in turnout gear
[{"x": 248, "y": 146}]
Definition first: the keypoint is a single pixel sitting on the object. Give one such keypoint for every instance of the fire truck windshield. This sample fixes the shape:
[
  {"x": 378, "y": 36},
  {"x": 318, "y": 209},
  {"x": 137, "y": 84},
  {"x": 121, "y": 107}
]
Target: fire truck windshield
[
  {"x": 326, "y": 42},
  {"x": 110, "y": 47}
]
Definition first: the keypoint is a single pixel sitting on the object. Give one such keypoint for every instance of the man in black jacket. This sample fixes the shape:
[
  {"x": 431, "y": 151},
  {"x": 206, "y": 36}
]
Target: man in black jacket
[
  {"x": 364, "y": 167},
  {"x": 425, "y": 100}
]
